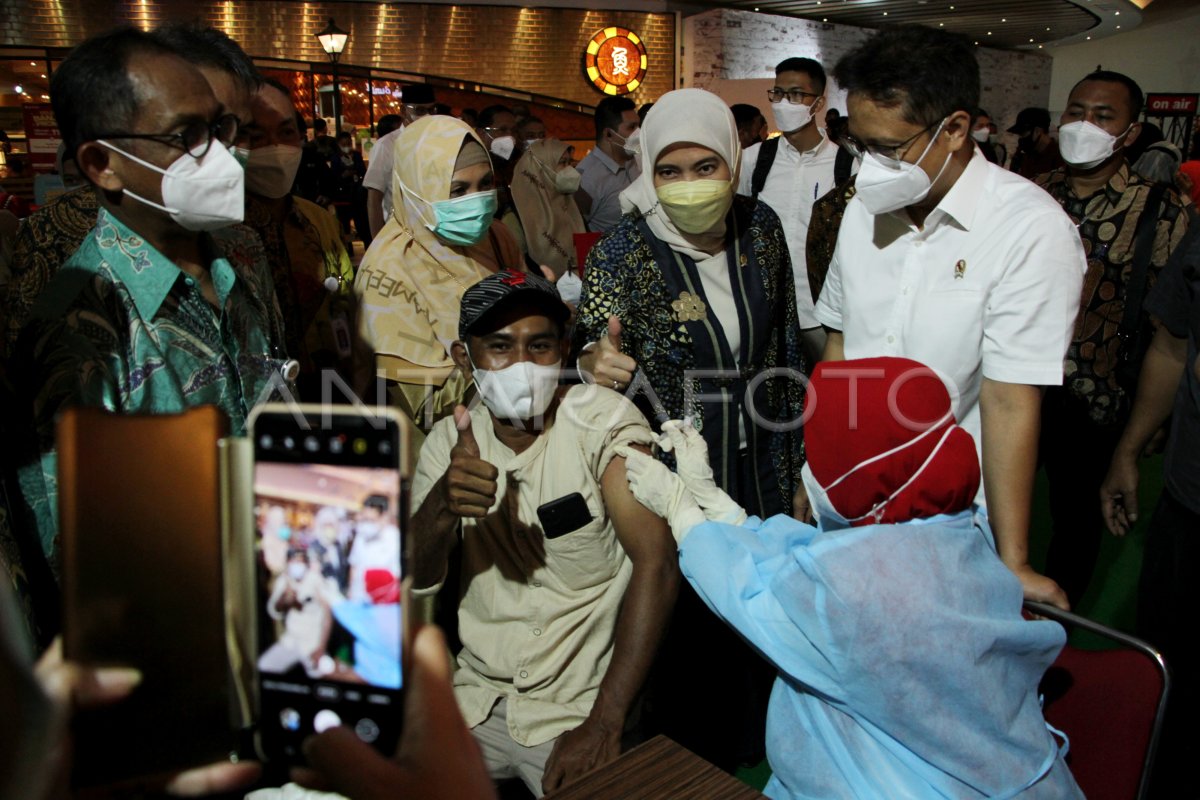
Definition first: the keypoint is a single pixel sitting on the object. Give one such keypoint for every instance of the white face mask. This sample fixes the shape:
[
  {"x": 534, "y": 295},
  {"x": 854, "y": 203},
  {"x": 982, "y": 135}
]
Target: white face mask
[
  {"x": 271, "y": 170},
  {"x": 633, "y": 145},
  {"x": 570, "y": 287},
  {"x": 519, "y": 391},
  {"x": 199, "y": 194},
  {"x": 503, "y": 146},
  {"x": 981, "y": 135},
  {"x": 830, "y": 518},
  {"x": 297, "y": 571},
  {"x": 1085, "y": 145},
  {"x": 791, "y": 117},
  {"x": 368, "y": 529},
  {"x": 885, "y": 184},
  {"x": 566, "y": 181}
]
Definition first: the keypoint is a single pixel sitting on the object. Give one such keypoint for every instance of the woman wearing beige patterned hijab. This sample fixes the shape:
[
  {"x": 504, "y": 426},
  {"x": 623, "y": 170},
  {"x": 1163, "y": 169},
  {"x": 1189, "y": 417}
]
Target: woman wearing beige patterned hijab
[
  {"x": 412, "y": 278},
  {"x": 543, "y": 187}
]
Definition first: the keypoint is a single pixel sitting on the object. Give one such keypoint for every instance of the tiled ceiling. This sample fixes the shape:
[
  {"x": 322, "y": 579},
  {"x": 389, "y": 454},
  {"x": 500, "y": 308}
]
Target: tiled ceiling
[{"x": 995, "y": 23}]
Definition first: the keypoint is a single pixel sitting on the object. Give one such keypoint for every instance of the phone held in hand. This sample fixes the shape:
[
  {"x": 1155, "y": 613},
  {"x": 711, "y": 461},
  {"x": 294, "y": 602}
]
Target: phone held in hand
[{"x": 330, "y": 506}]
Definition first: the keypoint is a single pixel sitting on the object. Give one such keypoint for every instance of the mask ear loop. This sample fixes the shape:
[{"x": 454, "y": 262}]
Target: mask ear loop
[
  {"x": 949, "y": 417},
  {"x": 877, "y": 511}
]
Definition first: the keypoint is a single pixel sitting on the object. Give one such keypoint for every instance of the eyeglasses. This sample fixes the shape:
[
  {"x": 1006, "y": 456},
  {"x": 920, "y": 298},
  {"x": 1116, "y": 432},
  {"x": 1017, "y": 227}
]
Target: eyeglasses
[
  {"x": 894, "y": 152},
  {"x": 497, "y": 132},
  {"x": 794, "y": 96},
  {"x": 418, "y": 111},
  {"x": 195, "y": 139}
]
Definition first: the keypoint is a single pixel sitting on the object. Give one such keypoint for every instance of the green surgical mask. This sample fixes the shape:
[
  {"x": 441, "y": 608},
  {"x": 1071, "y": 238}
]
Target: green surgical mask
[
  {"x": 461, "y": 221},
  {"x": 696, "y": 206}
]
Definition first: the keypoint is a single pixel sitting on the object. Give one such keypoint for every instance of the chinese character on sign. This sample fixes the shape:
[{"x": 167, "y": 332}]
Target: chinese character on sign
[{"x": 620, "y": 57}]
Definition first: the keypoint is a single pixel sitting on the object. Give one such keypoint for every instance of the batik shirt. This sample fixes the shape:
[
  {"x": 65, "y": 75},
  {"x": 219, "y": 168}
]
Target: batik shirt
[
  {"x": 121, "y": 327},
  {"x": 633, "y": 276},
  {"x": 303, "y": 251},
  {"x": 1107, "y": 222},
  {"x": 46, "y": 239}
]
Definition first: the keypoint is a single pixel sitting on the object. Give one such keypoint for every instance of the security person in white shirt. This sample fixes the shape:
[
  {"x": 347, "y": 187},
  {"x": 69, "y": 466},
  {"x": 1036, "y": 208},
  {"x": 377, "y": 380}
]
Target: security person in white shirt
[
  {"x": 792, "y": 171},
  {"x": 947, "y": 259}
]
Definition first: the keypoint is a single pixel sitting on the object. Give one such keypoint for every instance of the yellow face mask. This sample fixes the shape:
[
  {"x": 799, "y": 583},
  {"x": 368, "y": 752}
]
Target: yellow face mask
[{"x": 696, "y": 206}]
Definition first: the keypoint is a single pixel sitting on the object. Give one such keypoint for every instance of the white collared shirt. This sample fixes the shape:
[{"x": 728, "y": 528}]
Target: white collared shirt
[
  {"x": 989, "y": 287},
  {"x": 379, "y": 168},
  {"x": 604, "y": 180},
  {"x": 796, "y": 180}
]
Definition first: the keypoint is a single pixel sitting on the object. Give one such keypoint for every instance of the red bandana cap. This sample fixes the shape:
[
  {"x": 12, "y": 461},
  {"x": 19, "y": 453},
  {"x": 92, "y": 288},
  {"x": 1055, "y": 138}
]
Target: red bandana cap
[{"x": 867, "y": 408}]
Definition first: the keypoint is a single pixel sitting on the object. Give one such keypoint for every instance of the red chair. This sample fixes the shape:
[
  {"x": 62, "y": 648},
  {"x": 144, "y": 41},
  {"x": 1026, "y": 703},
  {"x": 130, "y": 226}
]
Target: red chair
[{"x": 1110, "y": 704}]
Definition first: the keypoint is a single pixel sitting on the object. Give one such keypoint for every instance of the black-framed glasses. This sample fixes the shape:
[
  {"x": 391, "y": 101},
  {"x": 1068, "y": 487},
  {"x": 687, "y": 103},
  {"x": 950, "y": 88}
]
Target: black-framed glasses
[
  {"x": 794, "y": 96},
  {"x": 195, "y": 139},
  {"x": 894, "y": 152}
]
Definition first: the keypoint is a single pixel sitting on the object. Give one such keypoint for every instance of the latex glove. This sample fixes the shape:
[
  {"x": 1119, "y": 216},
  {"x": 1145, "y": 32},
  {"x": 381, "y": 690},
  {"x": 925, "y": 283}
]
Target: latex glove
[
  {"x": 691, "y": 464},
  {"x": 661, "y": 491}
]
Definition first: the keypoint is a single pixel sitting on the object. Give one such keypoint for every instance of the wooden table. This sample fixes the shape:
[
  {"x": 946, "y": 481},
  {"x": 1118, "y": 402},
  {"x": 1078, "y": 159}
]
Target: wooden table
[{"x": 659, "y": 768}]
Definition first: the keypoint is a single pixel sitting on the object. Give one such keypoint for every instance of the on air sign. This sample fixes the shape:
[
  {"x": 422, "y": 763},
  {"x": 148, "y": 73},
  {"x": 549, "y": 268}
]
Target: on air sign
[
  {"x": 1171, "y": 105},
  {"x": 615, "y": 61}
]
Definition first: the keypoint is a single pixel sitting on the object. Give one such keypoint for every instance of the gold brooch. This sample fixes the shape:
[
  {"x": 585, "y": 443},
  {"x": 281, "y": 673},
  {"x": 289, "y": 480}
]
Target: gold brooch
[{"x": 689, "y": 307}]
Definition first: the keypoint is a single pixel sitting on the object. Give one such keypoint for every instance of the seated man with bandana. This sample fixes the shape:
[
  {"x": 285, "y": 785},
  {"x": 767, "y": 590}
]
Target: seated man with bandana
[
  {"x": 567, "y": 581},
  {"x": 905, "y": 666}
]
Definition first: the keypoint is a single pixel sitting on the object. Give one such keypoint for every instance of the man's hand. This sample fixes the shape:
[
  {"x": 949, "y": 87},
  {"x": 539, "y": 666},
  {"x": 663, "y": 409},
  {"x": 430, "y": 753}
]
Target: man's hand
[
  {"x": 437, "y": 759},
  {"x": 579, "y": 751},
  {"x": 1118, "y": 494},
  {"x": 801, "y": 508},
  {"x": 74, "y": 687},
  {"x": 1040, "y": 588},
  {"x": 607, "y": 364},
  {"x": 470, "y": 484}
]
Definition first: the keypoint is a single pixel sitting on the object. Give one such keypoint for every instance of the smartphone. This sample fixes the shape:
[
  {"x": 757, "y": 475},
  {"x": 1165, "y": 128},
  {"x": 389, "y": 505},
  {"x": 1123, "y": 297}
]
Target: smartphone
[
  {"x": 140, "y": 518},
  {"x": 564, "y": 515},
  {"x": 330, "y": 510}
]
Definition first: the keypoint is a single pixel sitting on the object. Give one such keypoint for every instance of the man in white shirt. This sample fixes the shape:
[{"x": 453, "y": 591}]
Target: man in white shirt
[
  {"x": 952, "y": 261},
  {"x": 418, "y": 102},
  {"x": 376, "y": 545},
  {"x": 789, "y": 174}
]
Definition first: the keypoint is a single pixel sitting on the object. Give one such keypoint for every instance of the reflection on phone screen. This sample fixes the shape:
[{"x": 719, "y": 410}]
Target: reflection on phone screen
[{"x": 329, "y": 555}]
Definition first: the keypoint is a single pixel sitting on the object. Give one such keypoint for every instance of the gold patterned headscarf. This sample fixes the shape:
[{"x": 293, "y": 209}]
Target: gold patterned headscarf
[
  {"x": 410, "y": 283},
  {"x": 549, "y": 218}
]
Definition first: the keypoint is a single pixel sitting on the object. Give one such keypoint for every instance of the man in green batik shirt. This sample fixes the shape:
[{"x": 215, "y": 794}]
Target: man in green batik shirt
[{"x": 164, "y": 306}]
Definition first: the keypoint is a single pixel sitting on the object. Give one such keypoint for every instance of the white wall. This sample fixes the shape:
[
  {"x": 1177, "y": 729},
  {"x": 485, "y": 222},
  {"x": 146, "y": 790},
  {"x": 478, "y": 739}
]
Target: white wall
[
  {"x": 1161, "y": 55},
  {"x": 730, "y": 52}
]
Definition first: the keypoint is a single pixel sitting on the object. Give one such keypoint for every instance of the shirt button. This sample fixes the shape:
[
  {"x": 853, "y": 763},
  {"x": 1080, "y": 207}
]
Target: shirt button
[
  {"x": 918, "y": 243},
  {"x": 189, "y": 281},
  {"x": 891, "y": 339},
  {"x": 524, "y": 674},
  {"x": 905, "y": 290},
  {"x": 536, "y": 584},
  {"x": 537, "y": 631}
]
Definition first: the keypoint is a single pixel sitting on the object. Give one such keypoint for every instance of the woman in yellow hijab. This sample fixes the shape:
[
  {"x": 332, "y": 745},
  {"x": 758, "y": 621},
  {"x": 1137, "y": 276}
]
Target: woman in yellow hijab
[{"x": 440, "y": 239}]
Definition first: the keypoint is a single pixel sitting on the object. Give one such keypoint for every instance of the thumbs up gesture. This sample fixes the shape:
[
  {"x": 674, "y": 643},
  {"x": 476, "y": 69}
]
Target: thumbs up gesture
[
  {"x": 470, "y": 481},
  {"x": 608, "y": 365}
]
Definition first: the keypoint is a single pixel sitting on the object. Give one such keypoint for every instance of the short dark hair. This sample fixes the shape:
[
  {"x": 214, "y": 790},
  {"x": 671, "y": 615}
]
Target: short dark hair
[
  {"x": 529, "y": 121},
  {"x": 388, "y": 123},
  {"x": 809, "y": 67},
  {"x": 345, "y": 135},
  {"x": 320, "y": 125},
  {"x": 488, "y": 115},
  {"x": 744, "y": 114},
  {"x": 643, "y": 110},
  {"x": 206, "y": 46},
  {"x": 91, "y": 92},
  {"x": 379, "y": 502},
  {"x": 276, "y": 84},
  {"x": 1136, "y": 98},
  {"x": 929, "y": 73},
  {"x": 609, "y": 112}
]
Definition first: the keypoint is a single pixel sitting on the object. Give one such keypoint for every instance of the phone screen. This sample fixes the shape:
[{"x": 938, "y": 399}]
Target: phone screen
[{"x": 330, "y": 508}]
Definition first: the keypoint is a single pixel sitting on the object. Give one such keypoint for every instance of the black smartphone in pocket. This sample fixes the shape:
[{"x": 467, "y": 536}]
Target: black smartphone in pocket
[{"x": 564, "y": 515}]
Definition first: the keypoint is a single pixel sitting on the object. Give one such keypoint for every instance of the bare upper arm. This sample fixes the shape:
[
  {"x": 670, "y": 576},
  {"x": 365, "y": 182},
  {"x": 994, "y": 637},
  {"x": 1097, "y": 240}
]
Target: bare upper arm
[{"x": 642, "y": 533}]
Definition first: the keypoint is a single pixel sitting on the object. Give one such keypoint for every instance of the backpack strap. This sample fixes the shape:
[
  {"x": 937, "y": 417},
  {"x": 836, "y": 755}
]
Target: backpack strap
[
  {"x": 842, "y": 164},
  {"x": 762, "y": 166}
]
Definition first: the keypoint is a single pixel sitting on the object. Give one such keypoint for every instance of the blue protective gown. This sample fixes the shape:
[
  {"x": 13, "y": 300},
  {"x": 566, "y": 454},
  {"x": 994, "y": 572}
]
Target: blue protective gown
[{"x": 905, "y": 666}]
